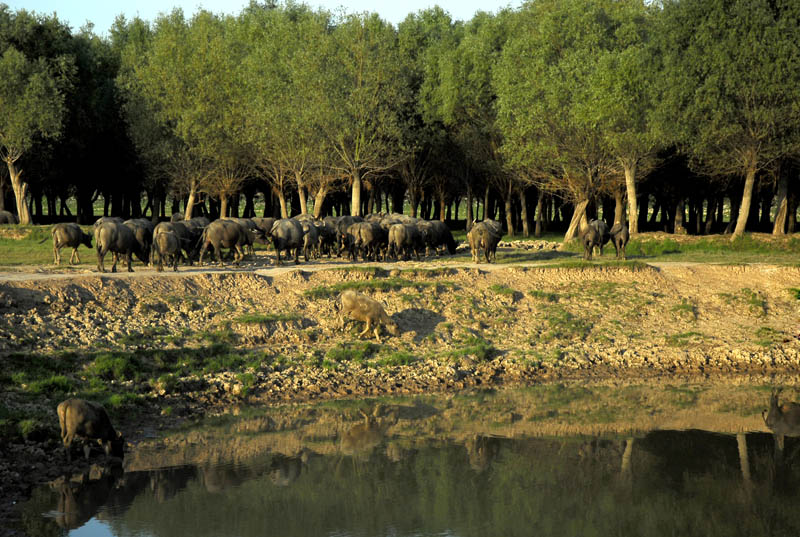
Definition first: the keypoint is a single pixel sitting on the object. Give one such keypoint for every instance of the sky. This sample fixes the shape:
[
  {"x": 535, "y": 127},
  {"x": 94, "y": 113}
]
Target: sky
[{"x": 102, "y": 13}]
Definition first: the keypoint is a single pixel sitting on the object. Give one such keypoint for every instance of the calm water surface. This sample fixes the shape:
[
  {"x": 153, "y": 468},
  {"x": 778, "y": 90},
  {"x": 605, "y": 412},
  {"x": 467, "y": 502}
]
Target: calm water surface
[{"x": 421, "y": 468}]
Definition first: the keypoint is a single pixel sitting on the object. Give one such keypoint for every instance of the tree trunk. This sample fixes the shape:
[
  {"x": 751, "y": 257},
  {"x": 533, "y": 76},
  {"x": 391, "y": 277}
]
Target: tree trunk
[
  {"x": 509, "y": 218},
  {"x": 442, "y": 209},
  {"x": 630, "y": 187},
  {"x": 470, "y": 214},
  {"x": 355, "y": 203},
  {"x": 20, "y": 188},
  {"x": 679, "y": 217},
  {"x": 539, "y": 204},
  {"x": 223, "y": 206},
  {"x": 619, "y": 208},
  {"x": 578, "y": 215},
  {"x": 711, "y": 215},
  {"x": 779, "y": 228},
  {"x": 486, "y": 203},
  {"x": 282, "y": 200},
  {"x": 791, "y": 222},
  {"x": 523, "y": 201},
  {"x": 414, "y": 203},
  {"x": 301, "y": 193},
  {"x": 747, "y": 198},
  {"x": 319, "y": 200},
  {"x": 190, "y": 201},
  {"x": 156, "y": 208}
]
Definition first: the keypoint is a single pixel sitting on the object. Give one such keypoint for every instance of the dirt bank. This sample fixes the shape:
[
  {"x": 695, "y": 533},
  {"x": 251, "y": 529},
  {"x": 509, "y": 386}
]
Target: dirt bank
[{"x": 462, "y": 327}]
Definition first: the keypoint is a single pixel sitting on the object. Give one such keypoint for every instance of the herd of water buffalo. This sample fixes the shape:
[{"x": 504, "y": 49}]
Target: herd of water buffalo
[{"x": 374, "y": 237}]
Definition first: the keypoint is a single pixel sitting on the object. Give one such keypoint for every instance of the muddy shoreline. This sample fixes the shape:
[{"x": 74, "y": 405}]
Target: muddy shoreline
[{"x": 463, "y": 329}]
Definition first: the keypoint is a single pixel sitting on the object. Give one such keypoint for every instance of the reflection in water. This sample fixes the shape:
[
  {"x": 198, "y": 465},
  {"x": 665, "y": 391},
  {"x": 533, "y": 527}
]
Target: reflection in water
[{"x": 658, "y": 483}]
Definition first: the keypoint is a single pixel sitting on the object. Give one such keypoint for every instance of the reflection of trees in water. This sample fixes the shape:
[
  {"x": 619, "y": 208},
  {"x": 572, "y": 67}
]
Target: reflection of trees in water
[{"x": 662, "y": 483}]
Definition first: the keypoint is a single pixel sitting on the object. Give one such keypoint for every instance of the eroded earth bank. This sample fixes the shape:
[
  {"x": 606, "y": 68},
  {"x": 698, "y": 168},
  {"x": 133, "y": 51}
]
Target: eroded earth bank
[{"x": 164, "y": 348}]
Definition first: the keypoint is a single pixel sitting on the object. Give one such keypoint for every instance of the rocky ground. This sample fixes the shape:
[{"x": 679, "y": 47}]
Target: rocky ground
[{"x": 462, "y": 327}]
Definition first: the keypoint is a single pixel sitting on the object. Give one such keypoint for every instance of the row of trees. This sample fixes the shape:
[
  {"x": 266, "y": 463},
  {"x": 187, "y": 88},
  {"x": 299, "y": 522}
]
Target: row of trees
[{"x": 549, "y": 110}]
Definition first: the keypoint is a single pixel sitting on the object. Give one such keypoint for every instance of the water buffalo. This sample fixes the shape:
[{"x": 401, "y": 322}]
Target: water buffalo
[
  {"x": 7, "y": 217},
  {"x": 103, "y": 219},
  {"x": 602, "y": 233},
  {"x": 225, "y": 234},
  {"x": 437, "y": 234},
  {"x": 177, "y": 217},
  {"x": 363, "y": 308},
  {"x": 187, "y": 236},
  {"x": 310, "y": 238},
  {"x": 590, "y": 238},
  {"x": 619, "y": 238},
  {"x": 405, "y": 239},
  {"x": 118, "y": 239},
  {"x": 287, "y": 235},
  {"x": 366, "y": 238},
  {"x": 68, "y": 234},
  {"x": 783, "y": 420},
  {"x": 342, "y": 237},
  {"x": 89, "y": 420},
  {"x": 166, "y": 244},
  {"x": 143, "y": 231},
  {"x": 484, "y": 235}
]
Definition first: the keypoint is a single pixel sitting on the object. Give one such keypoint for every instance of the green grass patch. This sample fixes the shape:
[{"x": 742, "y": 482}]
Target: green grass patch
[
  {"x": 396, "y": 358},
  {"x": 544, "y": 295},
  {"x": 767, "y": 337},
  {"x": 682, "y": 397},
  {"x": 501, "y": 289},
  {"x": 472, "y": 346},
  {"x": 795, "y": 292},
  {"x": 753, "y": 300},
  {"x": 563, "y": 324},
  {"x": 357, "y": 352},
  {"x": 262, "y": 318},
  {"x": 388, "y": 284},
  {"x": 686, "y": 309},
  {"x": 683, "y": 339}
]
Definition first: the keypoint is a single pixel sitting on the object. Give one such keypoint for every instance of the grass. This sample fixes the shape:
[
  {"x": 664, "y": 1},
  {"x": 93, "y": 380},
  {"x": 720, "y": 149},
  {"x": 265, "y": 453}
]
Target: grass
[
  {"x": 563, "y": 324},
  {"x": 754, "y": 300},
  {"x": 544, "y": 295},
  {"x": 767, "y": 337},
  {"x": 471, "y": 346},
  {"x": 388, "y": 284},
  {"x": 686, "y": 309},
  {"x": 795, "y": 292},
  {"x": 501, "y": 289},
  {"x": 262, "y": 318},
  {"x": 683, "y": 339}
]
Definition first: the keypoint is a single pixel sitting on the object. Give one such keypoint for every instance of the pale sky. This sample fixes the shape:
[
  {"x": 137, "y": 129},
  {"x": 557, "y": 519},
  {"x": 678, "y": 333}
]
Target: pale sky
[{"x": 102, "y": 13}]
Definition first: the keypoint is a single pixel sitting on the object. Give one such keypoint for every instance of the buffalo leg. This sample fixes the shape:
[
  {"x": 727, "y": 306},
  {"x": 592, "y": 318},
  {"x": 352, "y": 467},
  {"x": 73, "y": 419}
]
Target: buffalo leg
[
  {"x": 129, "y": 259},
  {"x": 77, "y": 257},
  {"x": 56, "y": 256}
]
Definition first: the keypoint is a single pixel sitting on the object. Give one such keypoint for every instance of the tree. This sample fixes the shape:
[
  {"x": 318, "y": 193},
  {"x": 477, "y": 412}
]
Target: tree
[
  {"x": 282, "y": 96},
  {"x": 187, "y": 75},
  {"x": 543, "y": 88},
  {"x": 31, "y": 92},
  {"x": 621, "y": 96},
  {"x": 365, "y": 93},
  {"x": 731, "y": 84}
]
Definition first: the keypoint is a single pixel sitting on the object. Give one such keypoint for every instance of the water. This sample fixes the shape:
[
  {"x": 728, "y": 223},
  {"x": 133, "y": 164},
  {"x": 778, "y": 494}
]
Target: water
[{"x": 418, "y": 468}]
